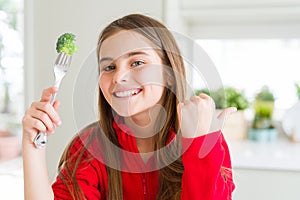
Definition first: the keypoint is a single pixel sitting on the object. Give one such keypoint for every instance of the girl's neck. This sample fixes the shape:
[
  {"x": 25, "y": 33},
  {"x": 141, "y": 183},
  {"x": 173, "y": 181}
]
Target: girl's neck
[
  {"x": 143, "y": 129},
  {"x": 145, "y": 125}
]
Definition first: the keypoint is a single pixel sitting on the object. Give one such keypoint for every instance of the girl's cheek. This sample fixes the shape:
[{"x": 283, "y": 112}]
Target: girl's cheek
[
  {"x": 102, "y": 81},
  {"x": 150, "y": 74},
  {"x": 103, "y": 87}
]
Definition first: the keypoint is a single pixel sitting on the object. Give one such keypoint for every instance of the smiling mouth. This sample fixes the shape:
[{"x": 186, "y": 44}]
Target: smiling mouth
[{"x": 127, "y": 93}]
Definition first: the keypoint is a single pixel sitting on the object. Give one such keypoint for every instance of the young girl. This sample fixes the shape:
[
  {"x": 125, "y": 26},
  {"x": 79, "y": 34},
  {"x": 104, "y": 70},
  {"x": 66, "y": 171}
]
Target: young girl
[{"x": 149, "y": 142}]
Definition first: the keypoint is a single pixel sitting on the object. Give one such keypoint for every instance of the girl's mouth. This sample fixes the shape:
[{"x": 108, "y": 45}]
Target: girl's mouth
[{"x": 127, "y": 93}]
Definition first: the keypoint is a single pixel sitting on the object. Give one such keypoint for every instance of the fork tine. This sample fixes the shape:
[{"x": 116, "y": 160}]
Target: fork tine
[
  {"x": 69, "y": 60},
  {"x": 66, "y": 59},
  {"x": 59, "y": 58},
  {"x": 63, "y": 59}
]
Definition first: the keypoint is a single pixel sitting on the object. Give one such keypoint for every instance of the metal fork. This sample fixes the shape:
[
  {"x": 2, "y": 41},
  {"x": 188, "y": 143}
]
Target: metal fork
[{"x": 61, "y": 66}]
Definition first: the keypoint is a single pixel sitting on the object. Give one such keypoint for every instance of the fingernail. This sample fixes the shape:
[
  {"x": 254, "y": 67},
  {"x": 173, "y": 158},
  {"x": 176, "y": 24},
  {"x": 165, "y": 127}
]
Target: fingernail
[{"x": 59, "y": 123}]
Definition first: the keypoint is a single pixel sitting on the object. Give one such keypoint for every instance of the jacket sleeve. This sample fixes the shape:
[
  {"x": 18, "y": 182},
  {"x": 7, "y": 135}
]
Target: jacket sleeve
[
  {"x": 207, "y": 168},
  {"x": 87, "y": 176}
]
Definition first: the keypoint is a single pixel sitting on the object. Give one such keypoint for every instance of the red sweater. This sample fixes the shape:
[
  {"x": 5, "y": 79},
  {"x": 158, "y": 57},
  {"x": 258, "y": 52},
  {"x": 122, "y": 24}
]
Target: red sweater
[{"x": 206, "y": 160}]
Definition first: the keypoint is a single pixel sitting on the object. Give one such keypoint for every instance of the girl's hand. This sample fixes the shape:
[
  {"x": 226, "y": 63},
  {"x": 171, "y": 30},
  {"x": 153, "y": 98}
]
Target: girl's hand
[
  {"x": 197, "y": 116},
  {"x": 41, "y": 116}
]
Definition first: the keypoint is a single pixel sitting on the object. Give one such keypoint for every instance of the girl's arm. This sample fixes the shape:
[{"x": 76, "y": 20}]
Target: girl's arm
[
  {"x": 207, "y": 167},
  {"x": 36, "y": 180},
  {"x": 41, "y": 116}
]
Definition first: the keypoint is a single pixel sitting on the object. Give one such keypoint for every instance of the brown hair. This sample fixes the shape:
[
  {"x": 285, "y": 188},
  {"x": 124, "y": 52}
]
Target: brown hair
[{"x": 169, "y": 176}]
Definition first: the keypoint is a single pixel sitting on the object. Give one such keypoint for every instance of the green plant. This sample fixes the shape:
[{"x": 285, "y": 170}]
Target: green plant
[
  {"x": 265, "y": 95},
  {"x": 227, "y": 97},
  {"x": 263, "y": 108},
  {"x": 236, "y": 99},
  {"x": 10, "y": 9},
  {"x": 298, "y": 90}
]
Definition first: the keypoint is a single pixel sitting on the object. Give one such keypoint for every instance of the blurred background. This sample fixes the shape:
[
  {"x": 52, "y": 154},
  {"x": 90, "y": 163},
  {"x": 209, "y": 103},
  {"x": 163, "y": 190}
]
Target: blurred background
[{"x": 254, "y": 45}]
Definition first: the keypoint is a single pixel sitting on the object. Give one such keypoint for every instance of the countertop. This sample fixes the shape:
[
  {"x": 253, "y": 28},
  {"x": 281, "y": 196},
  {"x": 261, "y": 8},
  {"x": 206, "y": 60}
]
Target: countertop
[
  {"x": 11, "y": 179},
  {"x": 281, "y": 154}
]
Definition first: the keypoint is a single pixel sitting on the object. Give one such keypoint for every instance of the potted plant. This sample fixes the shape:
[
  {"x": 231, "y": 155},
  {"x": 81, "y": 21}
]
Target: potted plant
[
  {"x": 290, "y": 121},
  {"x": 10, "y": 138},
  {"x": 10, "y": 145},
  {"x": 298, "y": 90},
  {"x": 227, "y": 97},
  {"x": 235, "y": 127},
  {"x": 262, "y": 128}
]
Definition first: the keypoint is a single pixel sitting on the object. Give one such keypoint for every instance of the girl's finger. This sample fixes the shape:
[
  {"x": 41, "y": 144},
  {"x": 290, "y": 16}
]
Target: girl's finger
[
  {"x": 47, "y": 94},
  {"x": 195, "y": 98},
  {"x": 43, "y": 118},
  {"x": 179, "y": 110},
  {"x": 32, "y": 125},
  {"x": 226, "y": 112},
  {"x": 38, "y": 125},
  {"x": 56, "y": 104},
  {"x": 204, "y": 96},
  {"x": 49, "y": 110}
]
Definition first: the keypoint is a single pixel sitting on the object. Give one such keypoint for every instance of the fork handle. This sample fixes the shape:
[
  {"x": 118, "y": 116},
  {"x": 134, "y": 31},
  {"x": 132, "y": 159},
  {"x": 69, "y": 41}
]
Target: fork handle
[{"x": 41, "y": 138}]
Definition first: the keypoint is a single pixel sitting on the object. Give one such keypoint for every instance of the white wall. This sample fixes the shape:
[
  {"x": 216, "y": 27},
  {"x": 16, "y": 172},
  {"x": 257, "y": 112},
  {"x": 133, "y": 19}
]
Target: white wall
[
  {"x": 241, "y": 18},
  {"x": 44, "y": 21}
]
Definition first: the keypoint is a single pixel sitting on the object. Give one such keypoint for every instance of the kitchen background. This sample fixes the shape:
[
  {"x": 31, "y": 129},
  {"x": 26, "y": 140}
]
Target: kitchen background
[{"x": 255, "y": 46}]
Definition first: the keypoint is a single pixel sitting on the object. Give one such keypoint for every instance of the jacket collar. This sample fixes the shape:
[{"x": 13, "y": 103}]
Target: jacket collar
[{"x": 126, "y": 137}]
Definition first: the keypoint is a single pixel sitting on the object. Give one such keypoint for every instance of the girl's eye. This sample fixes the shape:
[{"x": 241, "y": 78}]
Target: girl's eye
[
  {"x": 137, "y": 63},
  {"x": 109, "y": 68}
]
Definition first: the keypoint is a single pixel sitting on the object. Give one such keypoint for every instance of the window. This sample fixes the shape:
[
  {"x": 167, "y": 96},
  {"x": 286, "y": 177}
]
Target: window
[
  {"x": 11, "y": 66},
  {"x": 250, "y": 64},
  {"x": 11, "y": 98},
  {"x": 11, "y": 77}
]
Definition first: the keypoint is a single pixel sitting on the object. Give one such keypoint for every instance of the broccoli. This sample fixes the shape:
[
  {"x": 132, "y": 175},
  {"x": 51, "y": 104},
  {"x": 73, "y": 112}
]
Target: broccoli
[{"x": 65, "y": 44}]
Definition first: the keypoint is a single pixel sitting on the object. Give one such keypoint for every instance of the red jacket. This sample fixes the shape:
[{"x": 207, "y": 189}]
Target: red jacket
[{"x": 206, "y": 160}]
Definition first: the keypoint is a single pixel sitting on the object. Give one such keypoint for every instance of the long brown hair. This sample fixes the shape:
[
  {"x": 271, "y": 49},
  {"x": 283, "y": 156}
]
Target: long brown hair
[{"x": 169, "y": 176}]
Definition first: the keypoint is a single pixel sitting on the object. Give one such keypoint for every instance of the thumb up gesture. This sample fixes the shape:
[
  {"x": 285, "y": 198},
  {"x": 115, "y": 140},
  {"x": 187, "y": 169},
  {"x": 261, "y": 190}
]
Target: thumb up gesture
[{"x": 197, "y": 116}]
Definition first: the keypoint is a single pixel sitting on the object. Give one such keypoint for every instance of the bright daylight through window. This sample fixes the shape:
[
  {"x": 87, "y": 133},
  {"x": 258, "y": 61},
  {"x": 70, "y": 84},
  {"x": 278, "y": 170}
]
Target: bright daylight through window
[
  {"x": 11, "y": 74},
  {"x": 250, "y": 64}
]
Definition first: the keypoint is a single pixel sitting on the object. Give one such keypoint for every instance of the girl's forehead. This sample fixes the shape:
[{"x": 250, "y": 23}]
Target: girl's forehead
[{"x": 124, "y": 42}]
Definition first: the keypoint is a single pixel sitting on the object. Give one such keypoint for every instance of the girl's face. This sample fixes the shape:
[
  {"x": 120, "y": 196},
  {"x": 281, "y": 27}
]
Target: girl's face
[{"x": 131, "y": 74}]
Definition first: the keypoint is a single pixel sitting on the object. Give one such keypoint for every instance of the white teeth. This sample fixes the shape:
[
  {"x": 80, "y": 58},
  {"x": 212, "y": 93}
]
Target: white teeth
[{"x": 127, "y": 93}]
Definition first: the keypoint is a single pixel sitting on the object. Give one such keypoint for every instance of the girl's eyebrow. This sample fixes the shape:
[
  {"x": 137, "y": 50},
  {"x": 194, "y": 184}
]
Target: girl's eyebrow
[
  {"x": 137, "y": 53},
  {"x": 130, "y": 54},
  {"x": 105, "y": 59}
]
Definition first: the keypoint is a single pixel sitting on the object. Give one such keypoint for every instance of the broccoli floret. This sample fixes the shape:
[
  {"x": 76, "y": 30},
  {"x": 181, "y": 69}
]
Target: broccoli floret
[{"x": 65, "y": 44}]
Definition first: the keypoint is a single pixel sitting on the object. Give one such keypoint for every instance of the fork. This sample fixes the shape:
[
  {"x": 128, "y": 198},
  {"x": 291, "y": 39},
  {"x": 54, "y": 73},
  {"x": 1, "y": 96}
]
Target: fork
[{"x": 61, "y": 66}]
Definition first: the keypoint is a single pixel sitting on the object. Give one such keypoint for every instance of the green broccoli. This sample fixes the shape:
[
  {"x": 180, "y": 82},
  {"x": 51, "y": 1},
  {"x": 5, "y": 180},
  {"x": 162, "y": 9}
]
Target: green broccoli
[{"x": 65, "y": 44}]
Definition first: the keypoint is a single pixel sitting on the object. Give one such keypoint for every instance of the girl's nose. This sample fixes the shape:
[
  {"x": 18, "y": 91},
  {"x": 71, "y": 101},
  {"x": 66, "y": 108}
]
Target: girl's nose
[{"x": 121, "y": 76}]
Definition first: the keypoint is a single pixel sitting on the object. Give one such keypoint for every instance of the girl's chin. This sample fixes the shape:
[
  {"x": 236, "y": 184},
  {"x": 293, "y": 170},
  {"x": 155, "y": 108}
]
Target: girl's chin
[
  {"x": 126, "y": 113},
  {"x": 123, "y": 113}
]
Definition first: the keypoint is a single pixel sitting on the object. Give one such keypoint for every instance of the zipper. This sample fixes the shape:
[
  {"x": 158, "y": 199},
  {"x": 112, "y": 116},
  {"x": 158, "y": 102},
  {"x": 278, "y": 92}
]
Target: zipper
[{"x": 145, "y": 187}]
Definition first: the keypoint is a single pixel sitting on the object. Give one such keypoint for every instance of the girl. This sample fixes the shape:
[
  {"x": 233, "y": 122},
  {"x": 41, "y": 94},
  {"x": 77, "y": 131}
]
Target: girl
[{"x": 149, "y": 142}]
